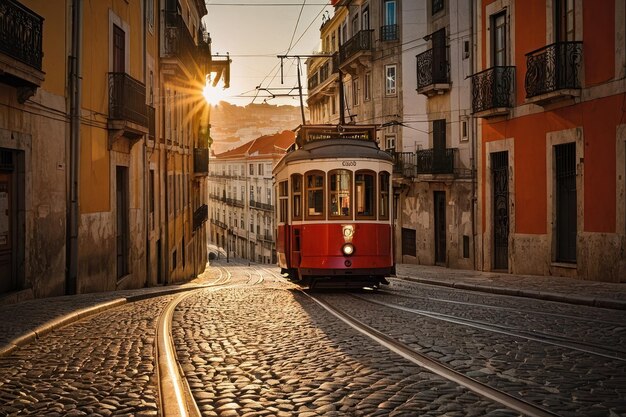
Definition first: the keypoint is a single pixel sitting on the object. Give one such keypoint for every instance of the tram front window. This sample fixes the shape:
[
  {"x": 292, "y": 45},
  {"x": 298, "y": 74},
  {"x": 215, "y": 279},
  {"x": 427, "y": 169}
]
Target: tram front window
[
  {"x": 365, "y": 194},
  {"x": 315, "y": 194},
  {"x": 340, "y": 188}
]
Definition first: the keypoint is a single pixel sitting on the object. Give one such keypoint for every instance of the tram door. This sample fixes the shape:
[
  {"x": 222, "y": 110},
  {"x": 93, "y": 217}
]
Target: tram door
[{"x": 440, "y": 227}]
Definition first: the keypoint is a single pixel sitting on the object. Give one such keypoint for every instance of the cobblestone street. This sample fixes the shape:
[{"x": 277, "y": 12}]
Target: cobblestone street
[{"x": 250, "y": 343}]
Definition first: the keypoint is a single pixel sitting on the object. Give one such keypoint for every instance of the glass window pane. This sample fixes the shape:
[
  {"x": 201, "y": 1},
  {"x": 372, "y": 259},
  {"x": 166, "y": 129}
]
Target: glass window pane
[
  {"x": 365, "y": 194},
  {"x": 340, "y": 182}
]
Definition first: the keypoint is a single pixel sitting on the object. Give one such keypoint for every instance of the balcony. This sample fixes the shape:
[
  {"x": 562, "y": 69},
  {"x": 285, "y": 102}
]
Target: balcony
[
  {"x": 201, "y": 161},
  {"x": 178, "y": 44},
  {"x": 435, "y": 161},
  {"x": 21, "y": 52},
  {"x": 261, "y": 206},
  {"x": 492, "y": 91},
  {"x": 128, "y": 112},
  {"x": 553, "y": 72},
  {"x": 323, "y": 81},
  {"x": 356, "y": 51},
  {"x": 200, "y": 216},
  {"x": 389, "y": 33},
  {"x": 404, "y": 163},
  {"x": 433, "y": 72}
]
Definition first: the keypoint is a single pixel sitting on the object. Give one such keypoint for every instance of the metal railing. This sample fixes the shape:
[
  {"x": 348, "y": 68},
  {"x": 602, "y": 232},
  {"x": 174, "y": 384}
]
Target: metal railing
[
  {"x": 200, "y": 160},
  {"x": 389, "y": 33},
  {"x": 179, "y": 43},
  {"x": 362, "y": 41},
  {"x": 200, "y": 216},
  {"x": 127, "y": 99},
  {"x": 553, "y": 67},
  {"x": 433, "y": 68},
  {"x": 262, "y": 206},
  {"x": 21, "y": 33},
  {"x": 404, "y": 163},
  {"x": 435, "y": 161},
  {"x": 493, "y": 88}
]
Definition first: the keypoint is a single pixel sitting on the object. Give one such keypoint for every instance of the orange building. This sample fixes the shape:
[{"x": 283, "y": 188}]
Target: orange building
[{"x": 549, "y": 96}]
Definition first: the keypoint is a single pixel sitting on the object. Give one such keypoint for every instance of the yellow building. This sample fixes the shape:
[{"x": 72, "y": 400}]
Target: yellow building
[{"x": 103, "y": 145}]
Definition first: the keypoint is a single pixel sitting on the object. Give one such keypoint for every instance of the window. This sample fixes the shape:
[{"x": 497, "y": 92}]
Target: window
[
  {"x": 260, "y": 168},
  {"x": 365, "y": 190},
  {"x": 340, "y": 183},
  {"x": 283, "y": 192},
  {"x": 409, "y": 246},
  {"x": 119, "y": 49},
  {"x": 251, "y": 169},
  {"x": 437, "y": 6},
  {"x": 390, "y": 80},
  {"x": 390, "y": 12},
  {"x": 296, "y": 190},
  {"x": 315, "y": 194},
  {"x": 498, "y": 39},
  {"x": 367, "y": 87},
  {"x": 390, "y": 142},
  {"x": 564, "y": 20},
  {"x": 355, "y": 24},
  {"x": 269, "y": 195},
  {"x": 383, "y": 209},
  {"x": 355, "y": 91},
  {"x": 464, "y": 132},
  {"x": 365, "y": 18}
]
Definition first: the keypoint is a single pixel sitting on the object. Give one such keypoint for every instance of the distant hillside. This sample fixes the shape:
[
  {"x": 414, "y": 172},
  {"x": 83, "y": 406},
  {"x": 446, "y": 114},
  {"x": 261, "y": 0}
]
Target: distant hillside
[{"x": 232, "y": 126}]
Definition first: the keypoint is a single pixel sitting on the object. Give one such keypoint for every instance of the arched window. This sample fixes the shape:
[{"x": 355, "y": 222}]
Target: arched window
[
  {"x": 365, "y": 192},
  {"x": 383, "y": 210},
  {"x": 340, "y": 193},
  {"x": 314, "y": 182},
  {"x": 296, "y": 192}
]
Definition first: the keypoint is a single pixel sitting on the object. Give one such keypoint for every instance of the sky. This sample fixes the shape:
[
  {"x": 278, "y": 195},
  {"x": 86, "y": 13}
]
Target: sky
[{"x": 254, "y": 32}]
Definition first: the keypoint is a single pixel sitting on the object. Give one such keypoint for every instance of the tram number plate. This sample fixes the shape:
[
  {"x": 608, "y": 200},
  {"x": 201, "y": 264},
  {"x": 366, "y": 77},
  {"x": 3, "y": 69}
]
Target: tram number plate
[{"x": 348, "y": 163}]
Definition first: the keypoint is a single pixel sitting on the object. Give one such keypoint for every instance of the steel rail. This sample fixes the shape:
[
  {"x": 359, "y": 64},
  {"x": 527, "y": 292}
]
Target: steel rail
[
  {"x": 174, "y": 392},
  {"x": 434, "y": 366},
  {"x": 495, "y": 328},
  {"x": 544, "y": 313}
]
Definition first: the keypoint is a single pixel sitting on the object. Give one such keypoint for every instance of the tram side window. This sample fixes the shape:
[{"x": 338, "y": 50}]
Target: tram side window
[
  {"x": 283, "y": 195},
  {"x": 315, "y": 194},
  {"x": 365, "y": 191},
  {"x": 340, "y": 184},
  {"x": 296, "y": 191},
  {"x": 383, "y": 211}
]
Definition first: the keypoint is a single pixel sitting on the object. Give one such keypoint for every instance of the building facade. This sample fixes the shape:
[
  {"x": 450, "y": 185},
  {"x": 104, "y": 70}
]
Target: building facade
[
  {"x": 242, "y": 212},
  {"x": 104, "y": 145},
  {"x": 361, "y": 49},
  {"x": 548, "y": 91}
]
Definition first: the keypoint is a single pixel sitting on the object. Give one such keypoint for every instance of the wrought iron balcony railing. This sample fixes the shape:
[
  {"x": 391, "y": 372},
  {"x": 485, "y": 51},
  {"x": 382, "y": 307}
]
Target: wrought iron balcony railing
[
  {"x": 21, "y": 33},
  {"x": 553, "y": 67},
  {"x": 404, "y": 163},
  {"x": 127, "y": 99},
  {"x": 320, "y": 75},
  {"x": 360, "y": 42},
  {"x": 201, "y": 161},
  {"x": 179, "y": 43},
  {"x": 435, "y": 161},
  {"x": 262, "y": 206},
  {"x": 200, "y": 216},
  {"x": 389, "y": 33},
  {"x": 432, "y": 68},
  {"x": 493, "y": 89}
]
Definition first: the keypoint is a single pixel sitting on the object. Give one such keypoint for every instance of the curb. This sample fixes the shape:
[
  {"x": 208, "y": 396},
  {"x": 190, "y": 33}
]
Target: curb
[
  {"x": 516, "y": 292},
  {"x": 47, "y": 327}
]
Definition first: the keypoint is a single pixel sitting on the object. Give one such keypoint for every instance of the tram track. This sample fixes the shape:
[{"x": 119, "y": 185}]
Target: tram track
[
  {"x": 423, "y": 360},
  {"x": 560, "y": 341}
]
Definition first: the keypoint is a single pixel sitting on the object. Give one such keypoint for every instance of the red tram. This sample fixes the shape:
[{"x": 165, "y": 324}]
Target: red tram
[{"x": 334, "y": 223}]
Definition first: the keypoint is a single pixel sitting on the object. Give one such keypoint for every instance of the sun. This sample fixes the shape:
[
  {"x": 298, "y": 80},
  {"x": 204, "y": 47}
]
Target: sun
[{"x": 213, "y": 95}]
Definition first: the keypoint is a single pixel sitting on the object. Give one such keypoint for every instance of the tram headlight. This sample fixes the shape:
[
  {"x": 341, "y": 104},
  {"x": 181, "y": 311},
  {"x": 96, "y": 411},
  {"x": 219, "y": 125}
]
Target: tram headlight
[{"x": 348, "y": 249}]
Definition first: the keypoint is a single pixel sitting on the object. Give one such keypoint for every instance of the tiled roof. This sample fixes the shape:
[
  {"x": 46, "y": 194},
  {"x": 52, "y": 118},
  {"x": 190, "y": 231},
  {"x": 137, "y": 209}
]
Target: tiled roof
[{"x": 264, "y": 146}]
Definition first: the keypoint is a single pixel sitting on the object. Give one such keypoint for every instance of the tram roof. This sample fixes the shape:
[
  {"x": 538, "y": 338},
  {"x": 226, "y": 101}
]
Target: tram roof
[{"x": 333, "y": 142}]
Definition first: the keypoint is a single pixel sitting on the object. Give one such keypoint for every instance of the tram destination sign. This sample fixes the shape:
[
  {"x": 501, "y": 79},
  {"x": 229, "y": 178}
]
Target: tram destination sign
[{"x": 312, "y": 133}]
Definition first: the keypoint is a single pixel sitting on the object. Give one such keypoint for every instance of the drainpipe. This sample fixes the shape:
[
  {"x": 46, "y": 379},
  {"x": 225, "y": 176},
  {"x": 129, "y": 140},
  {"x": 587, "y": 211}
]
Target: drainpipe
[
  {"x": 146, "y": 171},
  {"x": 71, "y": 284},
  {"x": 474, "y": 140}
]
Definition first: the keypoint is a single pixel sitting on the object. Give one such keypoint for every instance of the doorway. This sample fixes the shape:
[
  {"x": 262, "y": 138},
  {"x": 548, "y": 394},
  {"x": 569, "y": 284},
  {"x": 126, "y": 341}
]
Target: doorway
[{"x": 440, "y": 227}]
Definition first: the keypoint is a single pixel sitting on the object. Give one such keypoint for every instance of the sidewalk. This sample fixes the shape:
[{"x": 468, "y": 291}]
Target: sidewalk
[{"x": 25, "y": 321}]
